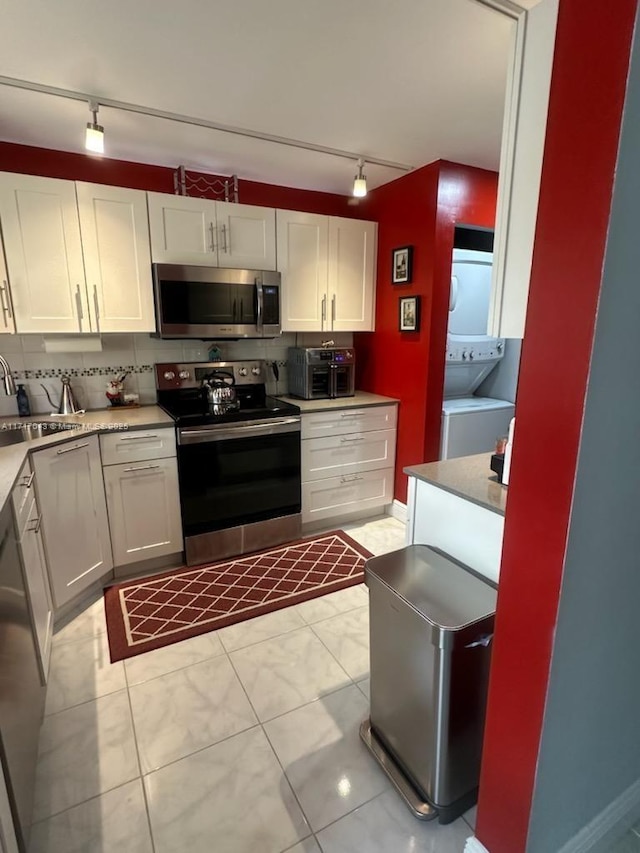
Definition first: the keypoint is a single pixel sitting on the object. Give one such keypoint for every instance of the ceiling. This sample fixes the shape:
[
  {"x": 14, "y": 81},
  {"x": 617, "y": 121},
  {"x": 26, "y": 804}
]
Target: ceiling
[{"x": 409, "y": 81}]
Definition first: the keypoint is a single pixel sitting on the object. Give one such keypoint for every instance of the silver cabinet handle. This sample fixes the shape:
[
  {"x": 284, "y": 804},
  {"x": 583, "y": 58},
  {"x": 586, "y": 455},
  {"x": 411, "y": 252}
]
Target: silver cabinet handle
[
  {"x": 324, "y": 312},
  {"x": 96, "y": 306},
  {"x": 213, "y": 239},
  {"x": 349, "y": 440},
  {"x": 6, "y": 310},
  {"x": 28, "y": 480},
  {"x": 142, "y": 468},
  {"x": 333, "y": 310},
  {"x": 79, "y": 307},
  {"x": 344, "y": 481},
  {"x": 137, "y": 437},
  {"x": 70, "y": 449},
  {"x": 36, "y": 524},
  {"x": 350, "y": 415},
  {"x": 224, "y": 234}
]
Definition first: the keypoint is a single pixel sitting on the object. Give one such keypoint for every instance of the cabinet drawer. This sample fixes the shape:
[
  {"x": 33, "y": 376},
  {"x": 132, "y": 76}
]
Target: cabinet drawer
[
  {"x": 343, "y": 421},
  {"x": 23, "y": 495},
  {"x": 137, "y": 445},
  {"x": 347, "y": 454},
  {"x": 350, "y": 493}
]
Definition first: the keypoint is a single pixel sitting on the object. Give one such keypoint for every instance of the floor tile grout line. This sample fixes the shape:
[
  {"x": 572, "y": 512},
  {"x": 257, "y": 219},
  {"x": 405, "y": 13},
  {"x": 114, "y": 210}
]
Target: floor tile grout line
[
  {"x": 351, "y": 811},
  {"x": 339, "y": 663},
  {"x": 84, "y": 802},
  {"x": 144, "y": 790}
]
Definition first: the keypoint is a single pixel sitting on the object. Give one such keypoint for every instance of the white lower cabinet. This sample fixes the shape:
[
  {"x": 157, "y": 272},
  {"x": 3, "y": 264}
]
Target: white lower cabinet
[
  {"x": 74, "y": 516},
  {"x": 347, "y": 461},
  {"x": 28, "y": 523},
  {"x": 144, "y": 510},
  {"x": 143, "y": 497}
]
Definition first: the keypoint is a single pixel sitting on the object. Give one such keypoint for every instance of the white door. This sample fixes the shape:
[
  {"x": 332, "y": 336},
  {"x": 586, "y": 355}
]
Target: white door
[
  {"x": 37, "y": 579},
  {"x": 41, "y": 233},
  {"x": 117, "y": 258},
  {"x": 352, "y": 265},
  {"x": 7, "y": 320},
  {"x": 246, "y": 236},
  {"x": 74, "y": 516},
  {"x": 183, "y": 230},
  {"x": 144, "y": 509},
  {"x": 302, "y": 260}
]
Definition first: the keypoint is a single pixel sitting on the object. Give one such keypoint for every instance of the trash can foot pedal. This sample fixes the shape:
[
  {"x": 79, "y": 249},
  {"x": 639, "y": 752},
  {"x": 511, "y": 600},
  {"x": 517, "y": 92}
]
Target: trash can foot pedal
[{"x": 418, "y": 806}]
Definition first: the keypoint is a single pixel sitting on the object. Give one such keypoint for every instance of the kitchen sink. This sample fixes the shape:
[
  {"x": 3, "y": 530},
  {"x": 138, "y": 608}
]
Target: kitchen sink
[{"x": 32, "y": 430}]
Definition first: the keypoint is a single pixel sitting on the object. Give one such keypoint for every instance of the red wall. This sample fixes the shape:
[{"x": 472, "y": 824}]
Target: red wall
[
  {"x": 142, "y": 176},
  {"x": 587, "y": 92},
  {"x": 419, "y": 209}
]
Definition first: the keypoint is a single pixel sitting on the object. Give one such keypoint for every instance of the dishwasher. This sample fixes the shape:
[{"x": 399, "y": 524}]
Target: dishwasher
[
  {"x": 431, "y": 627},
  {"x": 22, "y": 693}
]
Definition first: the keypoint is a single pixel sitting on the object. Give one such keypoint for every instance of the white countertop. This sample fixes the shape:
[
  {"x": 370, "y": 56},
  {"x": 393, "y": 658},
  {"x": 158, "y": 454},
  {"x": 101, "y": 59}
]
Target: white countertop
[{"x": 469, "y": 477}]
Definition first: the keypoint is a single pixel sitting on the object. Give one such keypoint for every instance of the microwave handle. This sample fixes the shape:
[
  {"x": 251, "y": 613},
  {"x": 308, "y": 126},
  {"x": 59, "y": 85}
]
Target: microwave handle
[{"x": 259, "y": 300}]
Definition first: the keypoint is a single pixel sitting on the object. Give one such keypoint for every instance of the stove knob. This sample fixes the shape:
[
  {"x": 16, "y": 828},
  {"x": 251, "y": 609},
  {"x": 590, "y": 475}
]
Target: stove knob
[
  {"x": 169, "y": 374},
  {"x": 471, "y": 355},
  {"x": 184, "y": 374},
  {"x": 255, "y": 371},
  {"x": 243, "y": 371},
  {"x": 499, "y": 346},
  {"x": 464, "y": 355}
]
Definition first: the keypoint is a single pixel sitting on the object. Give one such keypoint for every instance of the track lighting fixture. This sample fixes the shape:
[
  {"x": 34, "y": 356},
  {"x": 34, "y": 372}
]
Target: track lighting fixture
[
  {"x": 94, "y": 138},
  {"x": 360, "y": 181}
]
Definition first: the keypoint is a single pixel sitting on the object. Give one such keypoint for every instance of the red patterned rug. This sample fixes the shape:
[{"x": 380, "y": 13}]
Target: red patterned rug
[{"x": 156, "y": 611}]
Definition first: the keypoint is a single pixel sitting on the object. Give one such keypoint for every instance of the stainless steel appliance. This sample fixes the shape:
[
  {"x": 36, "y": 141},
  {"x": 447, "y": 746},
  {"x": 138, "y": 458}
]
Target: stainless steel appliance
[
  {"x": 209, "y": 302},
  {"x": 431, "y": 628},
  {"x": 321, "y": 372},
  {"x": 238, "y": 460},
  {"x": 22, "y": 694}
]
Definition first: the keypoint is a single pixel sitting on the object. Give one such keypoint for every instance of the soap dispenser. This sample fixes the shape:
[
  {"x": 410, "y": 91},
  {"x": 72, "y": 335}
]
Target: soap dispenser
[{"x": 24, "y": 408}]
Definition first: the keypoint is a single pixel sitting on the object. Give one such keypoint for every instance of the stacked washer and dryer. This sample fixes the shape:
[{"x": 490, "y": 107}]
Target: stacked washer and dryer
[{"x": 470, "y": 423}]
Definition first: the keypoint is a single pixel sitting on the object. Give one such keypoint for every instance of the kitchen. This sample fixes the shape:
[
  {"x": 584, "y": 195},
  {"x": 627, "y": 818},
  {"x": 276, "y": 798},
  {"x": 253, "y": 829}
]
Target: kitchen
[{"x": 596, "y": 89}]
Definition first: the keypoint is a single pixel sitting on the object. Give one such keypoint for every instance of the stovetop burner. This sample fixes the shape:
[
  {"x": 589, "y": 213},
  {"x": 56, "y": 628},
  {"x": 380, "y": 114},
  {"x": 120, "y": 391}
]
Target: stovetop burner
[{"x": 181, "y": 395}]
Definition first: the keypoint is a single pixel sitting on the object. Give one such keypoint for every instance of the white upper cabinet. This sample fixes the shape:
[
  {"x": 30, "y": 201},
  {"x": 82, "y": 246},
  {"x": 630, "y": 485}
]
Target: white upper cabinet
[
  {"x": 352, "y": 263},
  {"x": 7, "y": 320},
  {"x": 117, "y": 258},
  {"x": 303, "y": 243},
  {"x": 328, "y": 268},
  {"x": 41, "y": 234},
  {"x": 523, "y": 135},
  {"x": 211, "y": 233},
  {"x": 76, "y": 262}
]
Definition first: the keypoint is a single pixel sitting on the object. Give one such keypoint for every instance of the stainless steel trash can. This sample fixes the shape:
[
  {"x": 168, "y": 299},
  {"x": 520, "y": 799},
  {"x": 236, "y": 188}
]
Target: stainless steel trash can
[{"x": 431, "y": 627}]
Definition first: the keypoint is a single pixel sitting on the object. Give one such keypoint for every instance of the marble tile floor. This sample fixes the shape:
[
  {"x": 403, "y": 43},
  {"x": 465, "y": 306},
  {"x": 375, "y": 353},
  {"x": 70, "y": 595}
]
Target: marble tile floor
[{"x": 244, "y": 740}]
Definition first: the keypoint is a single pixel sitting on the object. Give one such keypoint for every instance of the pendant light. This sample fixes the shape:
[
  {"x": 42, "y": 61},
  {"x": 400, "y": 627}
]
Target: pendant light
[
  {"x": 94, "y": 138},
  {"x": 360, "y": 181}
]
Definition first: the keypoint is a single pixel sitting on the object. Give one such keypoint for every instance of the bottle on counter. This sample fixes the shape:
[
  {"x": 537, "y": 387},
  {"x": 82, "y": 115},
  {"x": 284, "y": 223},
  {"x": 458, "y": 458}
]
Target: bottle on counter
[{"x": 23, "y": 401}]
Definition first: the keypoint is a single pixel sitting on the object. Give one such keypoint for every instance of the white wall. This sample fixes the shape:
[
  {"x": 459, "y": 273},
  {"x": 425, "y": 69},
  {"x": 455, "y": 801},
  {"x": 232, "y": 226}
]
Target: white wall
[{"x": 502, "y": 383}]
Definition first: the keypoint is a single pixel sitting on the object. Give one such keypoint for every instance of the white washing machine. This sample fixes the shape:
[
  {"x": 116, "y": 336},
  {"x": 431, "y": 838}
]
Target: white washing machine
[{"x": 471, "y": 424}]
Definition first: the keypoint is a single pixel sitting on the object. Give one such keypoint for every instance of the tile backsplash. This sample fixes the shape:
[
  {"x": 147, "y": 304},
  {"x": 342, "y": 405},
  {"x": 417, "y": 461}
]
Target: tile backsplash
[{"x": 136, "y": 354}]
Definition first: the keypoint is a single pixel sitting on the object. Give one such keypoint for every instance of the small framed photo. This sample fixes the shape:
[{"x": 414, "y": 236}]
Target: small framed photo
[
  {"x": 409, "y": 313},
  {"x": 401, "y": 265}
]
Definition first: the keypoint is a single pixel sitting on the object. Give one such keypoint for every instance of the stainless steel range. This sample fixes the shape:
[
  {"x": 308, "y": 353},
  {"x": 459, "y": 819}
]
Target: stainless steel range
[{"x": 238, "y": 457}]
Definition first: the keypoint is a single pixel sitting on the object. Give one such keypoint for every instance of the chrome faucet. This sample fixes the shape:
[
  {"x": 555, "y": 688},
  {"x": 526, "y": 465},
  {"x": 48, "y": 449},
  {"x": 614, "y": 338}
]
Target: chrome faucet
[{"x": 9, "y": 384}]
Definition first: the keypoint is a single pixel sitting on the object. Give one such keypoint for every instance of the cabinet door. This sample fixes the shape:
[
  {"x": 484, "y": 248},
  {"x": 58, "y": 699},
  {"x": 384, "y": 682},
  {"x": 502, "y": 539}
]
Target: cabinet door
[
  {"x": 183, "y": 230},
  {"x": 44, "y": 254},
  {"x": 352, "y": 266},
  {"x": 246, "y": 236},
  {"x": 74, "y": 516},
  {"x": 37, "y": 579},
  {"x": 117, "y": 258},
  {"x": 7, "y": 320},
  {"x": 302, "y": 259},
  {"x": 144, "y": 510}
]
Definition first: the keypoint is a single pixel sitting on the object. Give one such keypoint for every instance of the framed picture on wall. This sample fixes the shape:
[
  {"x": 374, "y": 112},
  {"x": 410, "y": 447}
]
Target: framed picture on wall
[
  {"x": 402, "y": 265},
  {"x": 409, "y": 313}
]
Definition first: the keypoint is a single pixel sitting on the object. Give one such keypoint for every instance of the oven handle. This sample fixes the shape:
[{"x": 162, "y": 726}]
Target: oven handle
[{"x": 242, "y": 430}]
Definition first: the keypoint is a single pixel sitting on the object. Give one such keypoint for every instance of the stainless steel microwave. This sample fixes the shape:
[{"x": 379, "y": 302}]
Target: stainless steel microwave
[{"x": 214, "y": 303}]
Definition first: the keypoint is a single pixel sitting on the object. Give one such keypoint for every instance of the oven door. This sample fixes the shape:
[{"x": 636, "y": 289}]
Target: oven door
[{"x": 238, "y": 474}]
